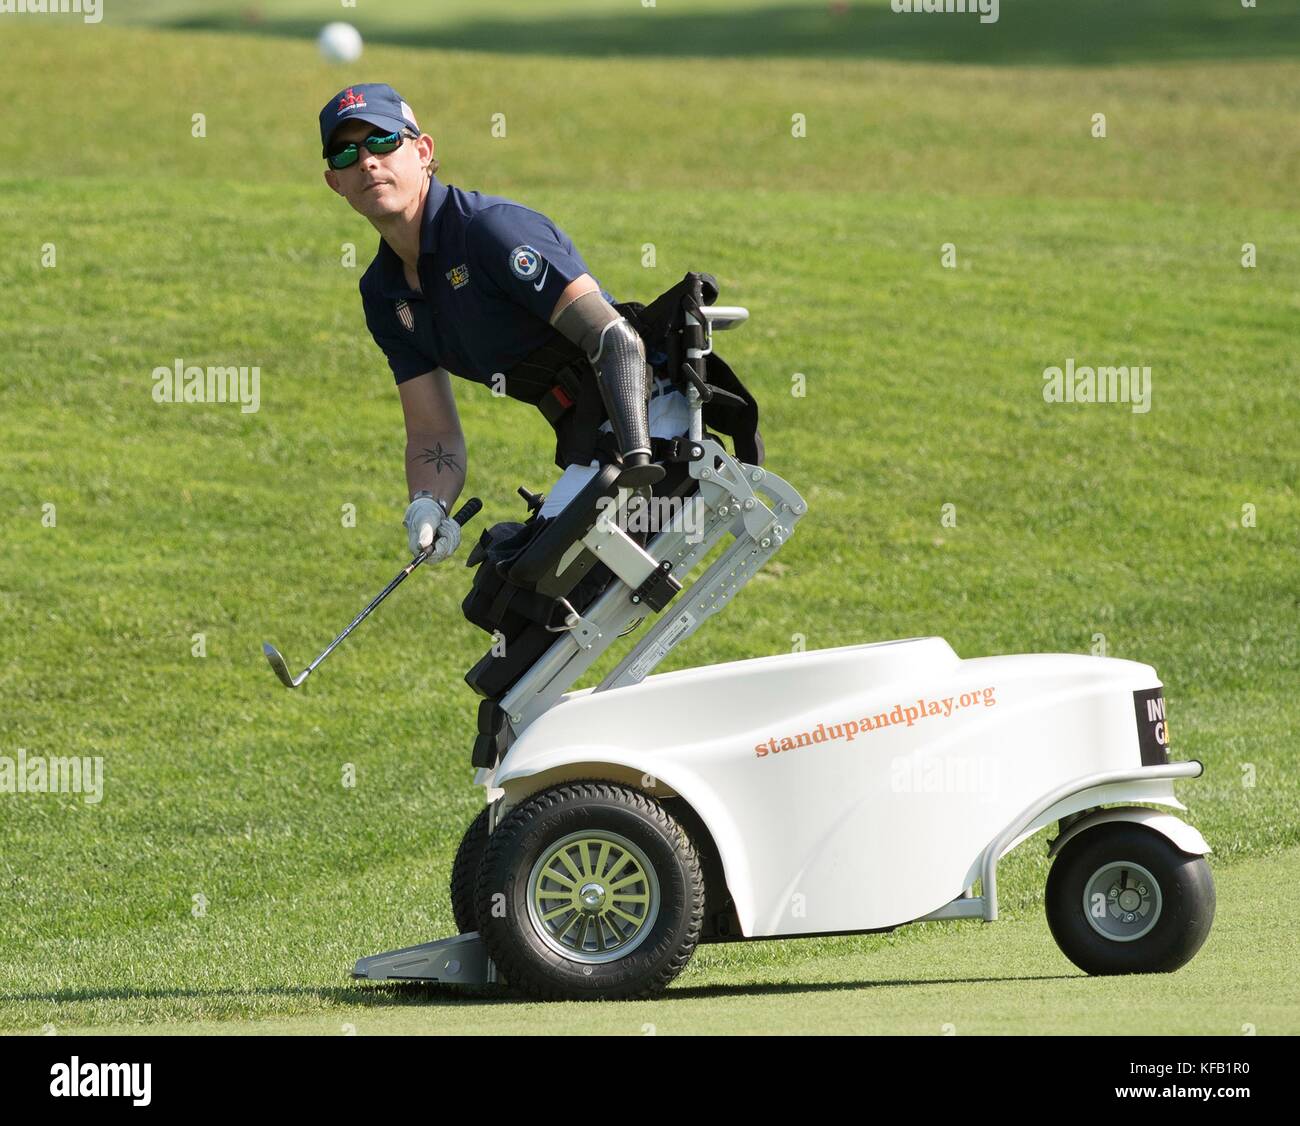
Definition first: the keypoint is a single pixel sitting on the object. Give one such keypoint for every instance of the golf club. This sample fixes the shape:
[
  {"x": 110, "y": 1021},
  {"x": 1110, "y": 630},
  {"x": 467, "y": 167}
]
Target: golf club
[{"x": 467, "y": 512}]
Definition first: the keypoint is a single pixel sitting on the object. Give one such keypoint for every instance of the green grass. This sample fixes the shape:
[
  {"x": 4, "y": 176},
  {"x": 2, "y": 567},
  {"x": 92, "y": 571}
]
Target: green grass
[
  {"x": 923, "y": 389},
  {"x": 934, "y": 979},
  {"x": 1027, "y": 32}
]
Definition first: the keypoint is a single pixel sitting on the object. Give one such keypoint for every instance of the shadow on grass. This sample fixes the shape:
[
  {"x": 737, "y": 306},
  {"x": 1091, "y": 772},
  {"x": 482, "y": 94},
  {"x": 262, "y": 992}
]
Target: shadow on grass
[
  {"x": 390, "y": 993},
  {"x": 372, "y": 993},
  {"x": 1037, "y": 32}
]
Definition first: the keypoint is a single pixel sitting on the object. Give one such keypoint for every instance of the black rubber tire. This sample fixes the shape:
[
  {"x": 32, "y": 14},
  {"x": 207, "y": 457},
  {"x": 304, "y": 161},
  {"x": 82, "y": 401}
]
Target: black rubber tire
[
  {"x": 464, "y": 872},
  {"x": 1186, "y": 890},
  {"x": 513, "y": 943}
]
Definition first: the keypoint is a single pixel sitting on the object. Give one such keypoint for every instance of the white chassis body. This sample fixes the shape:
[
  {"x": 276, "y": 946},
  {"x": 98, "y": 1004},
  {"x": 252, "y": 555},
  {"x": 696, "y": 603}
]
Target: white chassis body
[{"x": 878, "y": 826}]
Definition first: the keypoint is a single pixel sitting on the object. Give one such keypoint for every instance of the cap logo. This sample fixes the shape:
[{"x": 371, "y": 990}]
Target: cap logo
[{"x": 351, "y": 100}]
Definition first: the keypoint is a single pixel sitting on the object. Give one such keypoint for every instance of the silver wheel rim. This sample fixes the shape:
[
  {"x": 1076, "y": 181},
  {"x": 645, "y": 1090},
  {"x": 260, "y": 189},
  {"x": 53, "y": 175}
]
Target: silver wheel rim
[
  {"x": 1122, "y": 901},
  {"x": 593, "y": 896}
]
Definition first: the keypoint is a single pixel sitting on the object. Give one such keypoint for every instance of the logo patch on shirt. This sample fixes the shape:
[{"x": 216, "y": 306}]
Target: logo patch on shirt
[
  {"x": 525, "y": 262},
  {"x": 458, "y": 276},
  {"x": 405, "y": 315}
]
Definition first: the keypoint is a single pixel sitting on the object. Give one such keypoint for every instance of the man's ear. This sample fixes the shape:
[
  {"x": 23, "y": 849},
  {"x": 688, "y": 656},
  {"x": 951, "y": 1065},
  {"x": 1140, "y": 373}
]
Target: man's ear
[
  {"x": 332, "y": 179},
  {"x": 424, "y": 146}
]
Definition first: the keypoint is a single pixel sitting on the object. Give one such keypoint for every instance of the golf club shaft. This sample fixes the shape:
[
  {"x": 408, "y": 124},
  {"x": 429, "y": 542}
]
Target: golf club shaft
[{"x": 467, "y": 512}]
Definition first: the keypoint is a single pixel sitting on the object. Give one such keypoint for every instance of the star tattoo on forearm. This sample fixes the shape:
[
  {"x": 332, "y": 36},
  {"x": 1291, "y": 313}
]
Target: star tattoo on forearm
[{"x": 437, "y": 457}]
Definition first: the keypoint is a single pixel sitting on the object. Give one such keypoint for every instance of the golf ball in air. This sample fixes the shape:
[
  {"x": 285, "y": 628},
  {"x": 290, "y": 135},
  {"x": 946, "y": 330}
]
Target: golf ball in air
[{"x": 340, "y": 42}]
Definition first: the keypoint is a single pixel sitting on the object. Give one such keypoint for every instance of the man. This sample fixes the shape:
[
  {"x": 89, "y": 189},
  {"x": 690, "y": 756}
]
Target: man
[{"x": 479, "y": 286}]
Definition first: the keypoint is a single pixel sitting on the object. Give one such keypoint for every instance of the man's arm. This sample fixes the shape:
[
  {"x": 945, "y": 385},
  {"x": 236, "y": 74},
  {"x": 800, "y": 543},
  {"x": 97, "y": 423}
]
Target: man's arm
[
  {"x": 435, "y": 444},
  {"x": 574, "y": 290}
]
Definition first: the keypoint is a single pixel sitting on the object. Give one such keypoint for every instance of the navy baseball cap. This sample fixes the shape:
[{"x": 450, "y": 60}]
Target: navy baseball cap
[{"x": 375, "y": 103}]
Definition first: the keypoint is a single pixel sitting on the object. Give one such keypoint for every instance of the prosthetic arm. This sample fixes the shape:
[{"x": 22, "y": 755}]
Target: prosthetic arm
[{"x": 622, "y": 374}]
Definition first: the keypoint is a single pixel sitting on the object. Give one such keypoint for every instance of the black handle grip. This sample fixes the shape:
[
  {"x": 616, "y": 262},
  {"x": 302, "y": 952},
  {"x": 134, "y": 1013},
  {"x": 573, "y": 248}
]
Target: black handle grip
[{"x": 468, "y": 511}]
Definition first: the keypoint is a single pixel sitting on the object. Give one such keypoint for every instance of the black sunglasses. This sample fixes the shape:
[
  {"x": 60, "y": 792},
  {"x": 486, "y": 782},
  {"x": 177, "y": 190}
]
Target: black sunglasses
[{"x": 344, "y": 156}]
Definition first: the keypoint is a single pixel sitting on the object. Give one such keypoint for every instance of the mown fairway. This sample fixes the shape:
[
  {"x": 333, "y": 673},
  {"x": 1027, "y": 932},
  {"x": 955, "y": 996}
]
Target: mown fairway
[{"x": 923, "y": 389}]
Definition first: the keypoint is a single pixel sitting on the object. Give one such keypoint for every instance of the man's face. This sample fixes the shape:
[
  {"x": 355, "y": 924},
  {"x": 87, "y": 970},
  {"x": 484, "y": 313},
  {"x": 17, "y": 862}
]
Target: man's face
[{"x": 380, "y": 184}]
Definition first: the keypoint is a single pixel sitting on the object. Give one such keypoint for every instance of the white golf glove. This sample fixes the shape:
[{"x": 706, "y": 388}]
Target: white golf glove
[{"x": 426, "y": 520}]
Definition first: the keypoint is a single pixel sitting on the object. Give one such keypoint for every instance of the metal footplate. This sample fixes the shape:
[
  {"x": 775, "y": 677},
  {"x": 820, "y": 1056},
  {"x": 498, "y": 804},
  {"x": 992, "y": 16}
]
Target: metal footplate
[{"x": 462, "y": 960}]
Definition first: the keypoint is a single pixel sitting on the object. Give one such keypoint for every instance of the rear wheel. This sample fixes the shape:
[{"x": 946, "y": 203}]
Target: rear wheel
[
  {"x": 590, "y": 891},
  {"x": 1122, "y": 899}
]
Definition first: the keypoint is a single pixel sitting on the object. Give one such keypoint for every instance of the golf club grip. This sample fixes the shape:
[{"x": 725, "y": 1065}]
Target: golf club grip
[
  {"x": 463, "y": 516},
  {"x": 468, "y": 511}
]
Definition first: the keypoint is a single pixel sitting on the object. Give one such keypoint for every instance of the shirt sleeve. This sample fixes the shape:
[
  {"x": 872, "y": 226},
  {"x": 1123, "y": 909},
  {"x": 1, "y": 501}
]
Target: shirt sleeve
[
  {"x": 405, "y": 360},
  {"x": 524, "y": 255}
]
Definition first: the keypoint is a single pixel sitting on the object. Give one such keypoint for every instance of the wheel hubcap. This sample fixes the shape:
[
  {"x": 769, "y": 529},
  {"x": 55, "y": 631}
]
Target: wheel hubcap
[
  {"x": 1122, "y": 901},
  {"x": 593, "y": 896}
]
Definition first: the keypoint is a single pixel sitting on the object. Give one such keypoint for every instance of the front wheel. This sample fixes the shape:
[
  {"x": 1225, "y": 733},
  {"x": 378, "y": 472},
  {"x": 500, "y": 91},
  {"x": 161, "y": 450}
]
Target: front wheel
[
  {"x": 1122, "y": 899},
  {"x": 464, "y": 872},
  {"x": 590, "y": 891}
]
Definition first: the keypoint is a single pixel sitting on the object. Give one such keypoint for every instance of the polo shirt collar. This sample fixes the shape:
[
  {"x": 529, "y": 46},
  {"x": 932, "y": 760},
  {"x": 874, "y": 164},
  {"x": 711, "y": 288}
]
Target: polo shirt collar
[
  {"x": 433, "y": 201},
  {"x": 393, "y": 277}
]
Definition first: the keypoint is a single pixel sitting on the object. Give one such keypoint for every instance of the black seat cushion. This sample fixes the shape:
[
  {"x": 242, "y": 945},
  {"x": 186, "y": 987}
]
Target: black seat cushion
[{"x": 540, "y": 561}]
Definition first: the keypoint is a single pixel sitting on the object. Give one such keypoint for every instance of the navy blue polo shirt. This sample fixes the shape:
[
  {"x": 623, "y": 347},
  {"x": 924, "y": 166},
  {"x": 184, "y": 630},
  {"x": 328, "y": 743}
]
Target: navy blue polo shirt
[{"x": 491, "y": 271}]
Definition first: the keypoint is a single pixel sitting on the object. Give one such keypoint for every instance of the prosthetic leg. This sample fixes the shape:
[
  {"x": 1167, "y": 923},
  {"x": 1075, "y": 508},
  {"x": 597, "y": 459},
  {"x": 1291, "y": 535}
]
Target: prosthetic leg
[
  {"x": 624, "y": 379},
  {"x": 623, "y": 376}
]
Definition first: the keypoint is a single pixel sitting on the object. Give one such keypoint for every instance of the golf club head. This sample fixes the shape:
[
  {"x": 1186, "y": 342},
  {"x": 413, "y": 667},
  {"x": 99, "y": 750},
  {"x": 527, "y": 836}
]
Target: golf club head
[{"x": 281, "y": 669}]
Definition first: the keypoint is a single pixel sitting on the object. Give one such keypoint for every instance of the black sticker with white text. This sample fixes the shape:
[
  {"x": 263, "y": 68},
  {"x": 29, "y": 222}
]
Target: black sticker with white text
[{"x": 1153, "y": 727}]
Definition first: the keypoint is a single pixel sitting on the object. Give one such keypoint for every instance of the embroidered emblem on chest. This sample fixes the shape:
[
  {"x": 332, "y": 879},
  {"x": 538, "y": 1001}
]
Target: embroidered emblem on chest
[
  {"x": 405, "y": 315},
  {"x": 458, "y": 276}
]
